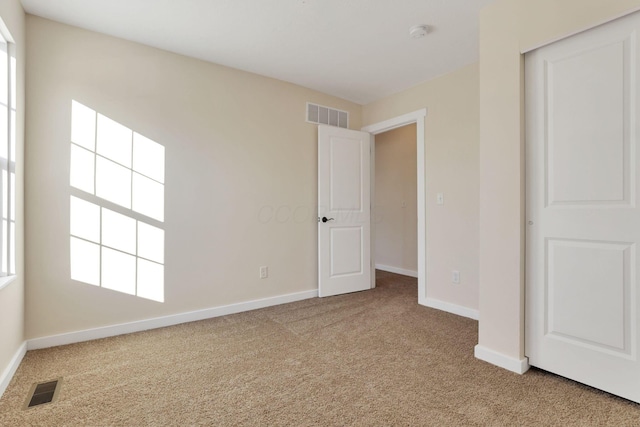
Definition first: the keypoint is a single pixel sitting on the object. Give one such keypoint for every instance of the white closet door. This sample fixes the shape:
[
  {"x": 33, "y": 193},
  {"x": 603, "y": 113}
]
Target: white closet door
[{"x": 583, "y": 221}]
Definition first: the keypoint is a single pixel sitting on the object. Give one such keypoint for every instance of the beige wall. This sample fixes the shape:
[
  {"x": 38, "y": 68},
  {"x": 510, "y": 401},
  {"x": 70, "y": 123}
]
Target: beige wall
[
  {"x": 395, "y": 215},
  {"x": 241, "y": 168},
  {"x": 451, "y": 145},
  {"x": 12, "y": 296},
  {"x": 508, "y": 27}
]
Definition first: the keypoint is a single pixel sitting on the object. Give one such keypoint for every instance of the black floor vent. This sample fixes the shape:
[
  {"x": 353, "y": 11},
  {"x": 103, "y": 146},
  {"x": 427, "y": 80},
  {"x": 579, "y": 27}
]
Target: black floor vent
[{"x": 42, "y": 393}]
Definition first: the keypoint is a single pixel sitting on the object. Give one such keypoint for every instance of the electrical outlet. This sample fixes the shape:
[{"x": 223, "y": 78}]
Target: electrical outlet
[
  {"x": 264, "y": 272},
  {"x": 455, "y": 276}
]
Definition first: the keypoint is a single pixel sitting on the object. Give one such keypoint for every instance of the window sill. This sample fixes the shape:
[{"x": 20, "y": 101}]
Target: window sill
[{"x": 6, "y": 280}]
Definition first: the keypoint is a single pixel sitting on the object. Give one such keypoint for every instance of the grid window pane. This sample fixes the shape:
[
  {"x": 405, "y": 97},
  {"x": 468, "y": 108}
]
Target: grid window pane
[
  {"x": 4, "y": 132},
  {"x": 7, "y": 143},
  {"x": 5, "y": 245},
  {"x": 5, "y": 194},
  {"x": 118, "y": 271},
  {"x": 12, "y": 140},
  {"x": 82, "y": 169},
  {"x": 118, "y": 231},
  {"x": 85, "y": 262},
  {"x": 113, "y": 182},
  {"x": 13, "y": 63},
  {"x": 148, "y": 157},
  {"x": 85, "y": 220},
  {"x": 148, "y": 197},
  {"x": 12, "y": 196},
  {"x": 4, "y": 76},
  {"x": 83, "y": 126},
  {"x": 150, "y": 280},
  {"x": 114, "y": 141},
  {"x": 12, "y": 247}
]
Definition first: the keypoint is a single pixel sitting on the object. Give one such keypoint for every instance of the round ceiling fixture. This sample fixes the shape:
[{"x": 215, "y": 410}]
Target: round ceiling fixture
[{"x": 418, "y": 31}]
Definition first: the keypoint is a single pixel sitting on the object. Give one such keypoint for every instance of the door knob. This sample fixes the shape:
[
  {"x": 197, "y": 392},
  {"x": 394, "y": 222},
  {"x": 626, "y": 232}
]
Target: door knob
[{"x": 325, "y": 219}]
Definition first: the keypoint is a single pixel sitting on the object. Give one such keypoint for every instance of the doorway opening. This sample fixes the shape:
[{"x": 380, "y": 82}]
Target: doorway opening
[
  {"x": 395, "y": 200},
  {"x": 416, "y": 118}
]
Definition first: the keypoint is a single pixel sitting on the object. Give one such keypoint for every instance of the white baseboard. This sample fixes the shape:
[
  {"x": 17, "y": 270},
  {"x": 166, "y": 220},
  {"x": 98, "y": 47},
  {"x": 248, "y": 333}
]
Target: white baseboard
[
  {"x": 452, "y": 308},
  {"x": 397, "y": 270},
  {"x": 161, "y": 322},
  {"x": 11, "y": 369},
  {"x": 519, "y": 366}
]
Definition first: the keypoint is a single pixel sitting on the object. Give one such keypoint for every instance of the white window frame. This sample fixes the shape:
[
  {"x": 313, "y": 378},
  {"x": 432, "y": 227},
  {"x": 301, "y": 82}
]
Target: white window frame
[{"x": 9, "y": 164}]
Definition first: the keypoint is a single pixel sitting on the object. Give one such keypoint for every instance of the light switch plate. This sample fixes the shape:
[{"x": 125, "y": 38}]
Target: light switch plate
[{"x": 455, "y": 276}]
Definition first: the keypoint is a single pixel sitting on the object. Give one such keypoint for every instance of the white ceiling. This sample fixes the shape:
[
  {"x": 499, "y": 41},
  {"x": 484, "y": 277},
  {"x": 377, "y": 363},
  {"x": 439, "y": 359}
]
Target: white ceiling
[{"x": 359, "y": 50}]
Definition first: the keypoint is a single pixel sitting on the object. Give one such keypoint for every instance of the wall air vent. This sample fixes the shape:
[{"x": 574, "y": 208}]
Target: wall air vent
[{"x": 327, "y": 116}]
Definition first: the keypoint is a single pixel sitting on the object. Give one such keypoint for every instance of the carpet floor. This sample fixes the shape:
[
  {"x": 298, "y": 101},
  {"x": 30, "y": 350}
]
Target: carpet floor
[{"x": 373, "y": 358}]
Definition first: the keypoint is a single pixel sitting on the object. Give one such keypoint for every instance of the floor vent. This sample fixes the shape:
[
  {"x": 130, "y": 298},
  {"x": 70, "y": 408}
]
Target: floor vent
[
  {"x": 328, "y": 116},
  {"x": 41, "y": 393}
]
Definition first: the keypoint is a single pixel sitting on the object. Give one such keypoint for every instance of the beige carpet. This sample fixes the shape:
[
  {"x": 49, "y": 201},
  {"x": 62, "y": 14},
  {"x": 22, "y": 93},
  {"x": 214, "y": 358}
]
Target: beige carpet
[{"x": 373, "y": 358}]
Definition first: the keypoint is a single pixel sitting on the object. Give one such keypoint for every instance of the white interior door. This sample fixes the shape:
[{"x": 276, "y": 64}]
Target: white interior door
[
  {"x": 344, "y": 211},
  {"x": 583, "y": 220}
]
